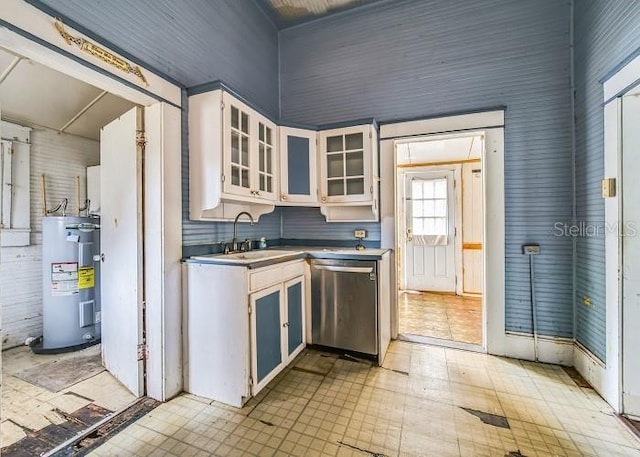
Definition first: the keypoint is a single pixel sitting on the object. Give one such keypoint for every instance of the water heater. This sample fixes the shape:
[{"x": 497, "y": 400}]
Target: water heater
[{"x": 71, "y": 283}]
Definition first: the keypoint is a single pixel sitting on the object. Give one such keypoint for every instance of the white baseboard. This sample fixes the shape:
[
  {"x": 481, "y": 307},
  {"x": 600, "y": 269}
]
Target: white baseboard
[
  {"x": 595, "y": 372},
  {"x": 558, "y": 351}
]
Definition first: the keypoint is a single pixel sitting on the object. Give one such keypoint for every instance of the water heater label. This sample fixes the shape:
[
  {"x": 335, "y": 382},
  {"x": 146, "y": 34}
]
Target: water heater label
[
  {"x": 64, "y": 278},
  {"x": 86, "y": 277}
]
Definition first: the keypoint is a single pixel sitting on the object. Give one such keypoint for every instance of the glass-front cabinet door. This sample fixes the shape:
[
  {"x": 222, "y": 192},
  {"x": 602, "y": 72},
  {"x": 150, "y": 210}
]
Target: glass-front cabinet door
[
  {"x": 267, "y": 169},
  {"x": 238, "y": 138},
  {"x": 250, "y": 152},
  {"x": 345, "y": 164}
]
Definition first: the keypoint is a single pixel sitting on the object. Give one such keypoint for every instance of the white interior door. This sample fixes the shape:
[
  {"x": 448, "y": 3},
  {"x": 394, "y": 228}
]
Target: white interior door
[
  {"x": 630, "y": 254},
  {"x": 429, "y": 235},
  {"x": 121, "y": 247}
]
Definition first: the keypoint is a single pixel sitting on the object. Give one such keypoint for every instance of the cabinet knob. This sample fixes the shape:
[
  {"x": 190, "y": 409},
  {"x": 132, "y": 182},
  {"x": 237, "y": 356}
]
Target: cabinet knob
[
  {"x": 324, "y": 199},
  {"x": 286, "y": 324},
  {"x": 283, "y": 197}
]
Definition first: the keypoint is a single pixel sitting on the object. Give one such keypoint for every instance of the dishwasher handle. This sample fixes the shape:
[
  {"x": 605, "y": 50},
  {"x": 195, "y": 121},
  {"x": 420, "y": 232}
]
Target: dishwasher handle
[{"x": 364, "y": 270}]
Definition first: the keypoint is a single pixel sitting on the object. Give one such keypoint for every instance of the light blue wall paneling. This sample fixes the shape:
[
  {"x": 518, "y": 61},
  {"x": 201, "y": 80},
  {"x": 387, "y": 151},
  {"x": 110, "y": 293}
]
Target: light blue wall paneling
[
  {"x": 193, "y": 42},
  {"x": 404, "y": 59},
  {"x": 309, "y": 224},
  {"x": 606, "y": 33}
]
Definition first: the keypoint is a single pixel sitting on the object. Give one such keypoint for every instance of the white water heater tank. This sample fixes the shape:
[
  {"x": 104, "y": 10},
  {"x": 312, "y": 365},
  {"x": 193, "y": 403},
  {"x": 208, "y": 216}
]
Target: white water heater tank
[{"x": 71, "y": 282}]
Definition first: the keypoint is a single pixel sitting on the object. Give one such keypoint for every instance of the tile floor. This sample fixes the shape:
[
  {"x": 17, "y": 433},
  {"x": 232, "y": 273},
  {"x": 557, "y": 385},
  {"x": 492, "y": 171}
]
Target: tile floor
[
  {"x": 27, "y": 407},
  {"x": 444, "y": 316},
  {"x": 424, "y": 401}
]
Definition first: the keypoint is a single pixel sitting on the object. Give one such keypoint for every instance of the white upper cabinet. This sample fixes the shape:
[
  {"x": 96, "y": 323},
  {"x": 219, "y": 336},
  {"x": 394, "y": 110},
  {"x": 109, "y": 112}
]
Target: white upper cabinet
[
  {"x": 298, "y": 160},
  {"x": 346, "y": 165},
  {"x": 349, "y": 173},
  {"x": 239, "y": 160},
  {"x": 233, "y": 158},
  {"x": 250, "y": 152}
]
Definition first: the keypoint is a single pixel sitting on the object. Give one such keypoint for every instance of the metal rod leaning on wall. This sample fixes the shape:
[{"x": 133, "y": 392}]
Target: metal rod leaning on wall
[
  {"x": 534, "y": 311},
  {"x": 78, "y": 195},
  {"x": 44, "y": 196}
]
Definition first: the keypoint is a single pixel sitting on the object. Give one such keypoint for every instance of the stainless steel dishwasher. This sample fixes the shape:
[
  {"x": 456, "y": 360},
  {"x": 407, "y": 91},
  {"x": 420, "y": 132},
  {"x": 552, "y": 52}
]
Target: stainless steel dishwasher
[{"x": 344, "y": 305}]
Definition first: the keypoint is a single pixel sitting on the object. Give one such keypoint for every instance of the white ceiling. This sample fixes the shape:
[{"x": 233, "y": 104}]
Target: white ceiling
[
  {"x": 440, "y": 149},
  {"x": 33, "y": 94},
  {"x": 287, "y": 13}
]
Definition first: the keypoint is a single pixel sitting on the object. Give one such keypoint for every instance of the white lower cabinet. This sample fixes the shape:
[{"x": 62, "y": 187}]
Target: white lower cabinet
[
  {"x": 242, "y": 327},
  {"x": 277, "y": 330}
]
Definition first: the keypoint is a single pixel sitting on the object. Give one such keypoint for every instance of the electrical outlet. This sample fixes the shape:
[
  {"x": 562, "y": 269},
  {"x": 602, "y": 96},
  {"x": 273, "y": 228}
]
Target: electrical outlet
[
  {"x": 531, "y": 249},
  {"x": 360, "y": 233}
]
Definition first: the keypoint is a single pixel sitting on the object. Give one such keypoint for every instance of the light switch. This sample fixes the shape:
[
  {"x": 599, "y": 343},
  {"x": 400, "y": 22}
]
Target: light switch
[
  {"x": 608, "y": 187},
  {"x": 360, "y": 233}
]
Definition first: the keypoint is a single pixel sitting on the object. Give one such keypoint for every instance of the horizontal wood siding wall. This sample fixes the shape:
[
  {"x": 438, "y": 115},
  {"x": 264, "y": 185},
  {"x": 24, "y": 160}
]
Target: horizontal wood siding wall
[
  {"x": 405, "y": 59},
  {"x": 606, "y": 33},
  {"x": 60, "y": 157},
  {"x": 193, "y": 42}
]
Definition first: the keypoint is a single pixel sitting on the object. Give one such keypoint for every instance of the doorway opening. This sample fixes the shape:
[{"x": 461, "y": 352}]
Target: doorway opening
[
  {"x": 69, "y": 166},
  {"x": 440, "y": 223}
]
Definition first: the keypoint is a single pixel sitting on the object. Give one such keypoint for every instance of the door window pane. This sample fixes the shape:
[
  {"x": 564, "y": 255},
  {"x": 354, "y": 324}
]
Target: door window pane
[
  {"x": 245, "y": 123},
  {"x": 355, "y": 164},
  {"x": 429, "y": 205},
  {"x": 235, "y": 116},
  {"x": 355, "y": 186},
  {"x": 261, "y": 157},
  {"x": 353, "y": 141},
  {"x": 335, "y": 165},
  {"x": 334, "y": 144},
  {"x": 335, "y": 187},
  {"x": 245, "y": 151},
  {"x": 235, "y": 148}
]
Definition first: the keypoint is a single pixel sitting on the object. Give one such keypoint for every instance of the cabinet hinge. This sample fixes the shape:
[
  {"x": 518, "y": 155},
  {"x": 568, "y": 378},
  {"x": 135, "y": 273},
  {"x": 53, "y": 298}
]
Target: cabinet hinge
[
  {"x": 249, "y": 307},
  {"x": 250, "y": 385},
  {"x": 143, "y": 353},
  {"x": 221, "y": 105},
  {"x": 371, "y": 189},
  {"x": 222, "y": 177}
]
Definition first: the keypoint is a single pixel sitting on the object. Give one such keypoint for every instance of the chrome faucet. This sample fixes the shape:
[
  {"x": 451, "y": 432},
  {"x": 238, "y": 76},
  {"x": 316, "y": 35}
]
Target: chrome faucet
[{"x": 235, "y": 230}]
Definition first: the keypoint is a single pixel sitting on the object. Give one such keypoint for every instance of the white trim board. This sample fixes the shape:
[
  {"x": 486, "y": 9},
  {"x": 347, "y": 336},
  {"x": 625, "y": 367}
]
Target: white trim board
[
  {"x": 622, "y": 80},
  {"x": 455, "y": 123},
  {"x": 592, "y": 370},
  {"x": 40, "y": 25},
  {"x": 495, "y": 338},
  {"x": 555, "y": 350},
  {"x": 608, "y": 377}
]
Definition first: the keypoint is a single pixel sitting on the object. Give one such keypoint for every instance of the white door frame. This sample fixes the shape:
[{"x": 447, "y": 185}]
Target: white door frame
[
  {"x": 401, "y": 216},
  {"x": 30, "y": 32},
  {"x": 491, "y": 123},
  {"x": 607, "y": 378}
]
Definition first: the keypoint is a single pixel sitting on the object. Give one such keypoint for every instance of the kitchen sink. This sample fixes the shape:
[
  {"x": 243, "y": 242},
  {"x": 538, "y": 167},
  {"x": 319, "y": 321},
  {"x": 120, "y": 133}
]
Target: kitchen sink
[{"x": 241, "y": 258}]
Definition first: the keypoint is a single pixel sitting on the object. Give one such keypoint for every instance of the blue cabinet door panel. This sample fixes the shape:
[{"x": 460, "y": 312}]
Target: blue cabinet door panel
[
  {"x": 268, "y": 332},
  {"x": 294, "y": 304},
  {"x": 298, "y": 165}
]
